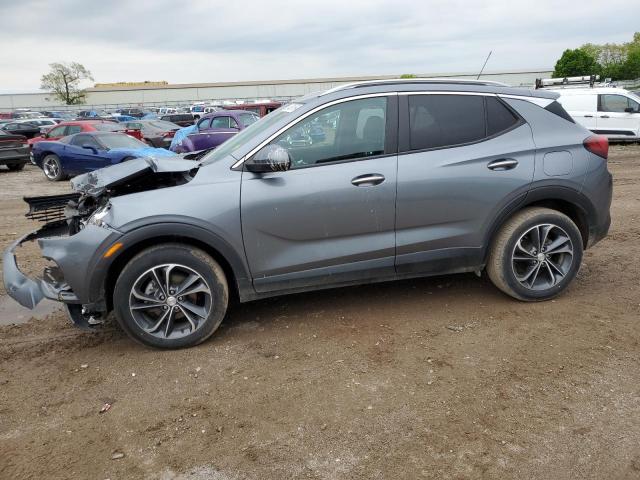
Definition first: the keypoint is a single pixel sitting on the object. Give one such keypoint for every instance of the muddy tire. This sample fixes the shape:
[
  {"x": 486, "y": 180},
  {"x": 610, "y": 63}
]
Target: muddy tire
[
  {"x": 52, "y": 168},
  {"x": 535, "y": 255},
  {"x": 171, "y": 296}
]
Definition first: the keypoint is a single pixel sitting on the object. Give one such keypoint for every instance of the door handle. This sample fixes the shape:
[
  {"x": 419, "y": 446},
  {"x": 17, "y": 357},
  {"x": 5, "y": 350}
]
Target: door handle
[
  {"x": 503, "y": 164},
  {"x": 588, "y": 116},
  {"x": 604, "y": 116},
  {"x": 368, "y": 179}
]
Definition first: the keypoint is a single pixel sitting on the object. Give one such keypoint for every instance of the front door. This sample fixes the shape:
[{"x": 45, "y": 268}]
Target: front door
[
  {"x": 462, "y": 158},
  {"x": 330, "y": 218},
  {"x": 618, "y": 116}
]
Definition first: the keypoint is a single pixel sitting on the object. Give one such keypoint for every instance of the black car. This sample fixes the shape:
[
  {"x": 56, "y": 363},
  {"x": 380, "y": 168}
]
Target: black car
[
  {"x": 25, "y": 129},
  {"x": 132, "y": 112},
  {"x": 14, "y": 151},
  {"x": 157, "y": 133},
  {"x": 182, "y": 119}
]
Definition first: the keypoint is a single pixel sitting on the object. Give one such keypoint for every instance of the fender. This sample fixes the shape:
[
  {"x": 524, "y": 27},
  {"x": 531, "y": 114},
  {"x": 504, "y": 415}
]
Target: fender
[{"x": 163, "y": 226}]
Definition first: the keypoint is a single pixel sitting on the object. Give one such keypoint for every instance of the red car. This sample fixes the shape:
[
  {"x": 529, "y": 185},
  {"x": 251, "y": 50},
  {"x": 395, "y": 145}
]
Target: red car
[{"x": 76, "y": 126}]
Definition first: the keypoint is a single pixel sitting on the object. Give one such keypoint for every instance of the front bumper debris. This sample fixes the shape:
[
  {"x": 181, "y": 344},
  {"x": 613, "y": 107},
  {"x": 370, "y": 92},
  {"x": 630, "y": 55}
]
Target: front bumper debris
[{"x": 27, "y": 291}]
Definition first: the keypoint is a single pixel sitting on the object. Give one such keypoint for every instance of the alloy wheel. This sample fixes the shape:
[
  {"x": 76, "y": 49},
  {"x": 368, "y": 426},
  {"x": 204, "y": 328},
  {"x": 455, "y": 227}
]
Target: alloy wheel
[
  {"x": 170, "y": 301},
  {"x": 51, "y": 167},
  {"x": 542, "y": 257}
]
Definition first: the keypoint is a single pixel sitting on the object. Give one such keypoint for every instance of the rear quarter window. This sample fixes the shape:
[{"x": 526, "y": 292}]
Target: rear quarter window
[
  {"x": 499, "y": 117},
  {"x": 557, "y": 109}
]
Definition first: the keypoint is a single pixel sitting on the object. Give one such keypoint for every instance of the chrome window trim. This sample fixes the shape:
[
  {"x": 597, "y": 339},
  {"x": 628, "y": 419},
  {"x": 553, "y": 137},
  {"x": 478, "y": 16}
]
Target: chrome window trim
[
  {"x": 305, "y": 115},
  {"x": 540, "y": 101}
]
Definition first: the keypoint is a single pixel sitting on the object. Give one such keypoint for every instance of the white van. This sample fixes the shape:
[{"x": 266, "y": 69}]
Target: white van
[{"x": 614, "y": 112}]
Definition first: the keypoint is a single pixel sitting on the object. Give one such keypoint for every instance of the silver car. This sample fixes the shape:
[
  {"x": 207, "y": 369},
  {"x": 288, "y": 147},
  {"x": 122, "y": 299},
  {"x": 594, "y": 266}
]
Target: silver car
[{"x": 406, "y": 179}]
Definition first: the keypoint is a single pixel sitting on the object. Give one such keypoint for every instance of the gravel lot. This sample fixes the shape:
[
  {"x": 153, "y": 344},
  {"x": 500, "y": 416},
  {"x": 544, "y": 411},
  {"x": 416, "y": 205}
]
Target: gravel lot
[{"x": 437, "y": 378}]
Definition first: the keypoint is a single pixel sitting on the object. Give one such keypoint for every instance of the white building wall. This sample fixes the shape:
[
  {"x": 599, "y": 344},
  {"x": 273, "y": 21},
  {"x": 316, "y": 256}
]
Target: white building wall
[{"x": 187, "y": 93}]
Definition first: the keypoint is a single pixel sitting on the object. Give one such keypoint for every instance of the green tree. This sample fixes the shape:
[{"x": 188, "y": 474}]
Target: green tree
[
  {"x": 64, "y": 82},
  {"x": 574, "y": 63}
]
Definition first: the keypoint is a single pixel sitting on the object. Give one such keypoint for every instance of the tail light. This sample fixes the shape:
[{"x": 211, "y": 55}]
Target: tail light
[
  {"x": 168, "y": 134},
  {"x": 597, "y": 144}
]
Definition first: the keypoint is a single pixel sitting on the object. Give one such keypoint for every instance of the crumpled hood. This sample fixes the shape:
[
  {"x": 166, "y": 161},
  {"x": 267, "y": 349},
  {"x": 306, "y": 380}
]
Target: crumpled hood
[{"x": 96, "y": 182}]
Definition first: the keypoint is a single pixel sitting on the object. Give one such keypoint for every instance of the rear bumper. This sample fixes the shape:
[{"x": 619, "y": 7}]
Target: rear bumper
[{"x": 16, "y": 157}]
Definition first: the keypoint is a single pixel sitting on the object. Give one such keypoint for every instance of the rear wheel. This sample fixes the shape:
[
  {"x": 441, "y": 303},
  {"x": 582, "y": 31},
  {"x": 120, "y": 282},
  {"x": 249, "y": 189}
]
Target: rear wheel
[
  {"x": 535, "y": 255},
  {"x": 171, "y": 296},
  {"x": 16, "y": 167},
  {"x": 52, "y": 168}
]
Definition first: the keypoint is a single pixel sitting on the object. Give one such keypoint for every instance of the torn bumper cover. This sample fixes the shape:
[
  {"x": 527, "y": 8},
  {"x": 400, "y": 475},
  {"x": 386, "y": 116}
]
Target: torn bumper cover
[
  {"x": 27, "y": 291},
  {"x": 70, "y": 280}
]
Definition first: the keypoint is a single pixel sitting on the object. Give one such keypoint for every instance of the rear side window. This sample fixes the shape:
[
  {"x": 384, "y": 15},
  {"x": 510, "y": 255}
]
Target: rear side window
[
  {"x": 556, "y": 108},
  {"x": 445, "y": 120},
  {"x": 499, "y": 117},
  {"x": 616, "y": 103},
  {"x": 71, "y": 129}
]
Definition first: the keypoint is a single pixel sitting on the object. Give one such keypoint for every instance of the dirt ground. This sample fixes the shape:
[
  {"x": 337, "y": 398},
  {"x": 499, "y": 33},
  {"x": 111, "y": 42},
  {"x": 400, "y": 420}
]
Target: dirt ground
[{"x": 441, "y": 378}]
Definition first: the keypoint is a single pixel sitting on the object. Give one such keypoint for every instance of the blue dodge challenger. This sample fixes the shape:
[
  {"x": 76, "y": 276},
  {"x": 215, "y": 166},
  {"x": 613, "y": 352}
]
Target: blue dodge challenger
[{"x": 87, "y": 151}]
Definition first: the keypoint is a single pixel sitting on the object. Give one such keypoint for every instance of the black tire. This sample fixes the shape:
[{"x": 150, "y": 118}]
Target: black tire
[
  {"x": 512, "y": 256},
  {"x": 184, "y": 258},
  {"x": 16, "y": 167},
  {"x": 52, "y": 168}
]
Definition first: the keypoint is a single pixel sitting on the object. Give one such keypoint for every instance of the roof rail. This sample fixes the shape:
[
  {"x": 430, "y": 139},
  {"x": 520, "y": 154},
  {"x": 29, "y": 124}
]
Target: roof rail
[
  {"x": 428, "y": 81},
  {"x": 584, "y": 81}
]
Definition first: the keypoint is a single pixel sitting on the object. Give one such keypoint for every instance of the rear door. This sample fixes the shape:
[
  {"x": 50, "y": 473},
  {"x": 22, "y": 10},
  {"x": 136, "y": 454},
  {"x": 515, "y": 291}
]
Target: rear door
[
  {"x": 330, "y": 218},
  {"x": 618, "y": 116},
  {"x": 462, "y": 158}
]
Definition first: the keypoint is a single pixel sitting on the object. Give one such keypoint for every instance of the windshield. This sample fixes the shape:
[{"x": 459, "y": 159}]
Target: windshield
[
  {"x": 120, "y": 140},
  {"x": 250, "y": 132}
]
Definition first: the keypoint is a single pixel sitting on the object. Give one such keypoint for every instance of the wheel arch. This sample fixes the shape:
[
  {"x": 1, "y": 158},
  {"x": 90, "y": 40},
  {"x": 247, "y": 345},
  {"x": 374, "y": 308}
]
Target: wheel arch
[
  {"x": 570, "y": 202},
  {"x": 240, "y": 286}
]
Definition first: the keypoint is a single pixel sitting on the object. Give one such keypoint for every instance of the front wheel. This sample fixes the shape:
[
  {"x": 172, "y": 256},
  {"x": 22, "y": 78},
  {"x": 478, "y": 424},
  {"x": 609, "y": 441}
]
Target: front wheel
[
  {"x": 171, "y": 296},
  {"x": 535, "y": 255},
  {"x": 52, "y": 168}
]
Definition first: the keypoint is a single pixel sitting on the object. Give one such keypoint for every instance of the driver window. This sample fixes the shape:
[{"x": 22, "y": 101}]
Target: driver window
[
  {"x": 220, "y": 122},
  {"x": 614, "y": 103},
  {"x": 80, "y": 140},
  {"x": 346, "y": 131}
]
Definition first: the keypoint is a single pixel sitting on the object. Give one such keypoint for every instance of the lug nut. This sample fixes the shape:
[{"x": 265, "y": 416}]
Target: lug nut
[
  {"x": 180, "y": 299},
  {"x": 164, "y": 307},
  {"x": 161, "y": 297},
  {"x": 172, "y": 291}
]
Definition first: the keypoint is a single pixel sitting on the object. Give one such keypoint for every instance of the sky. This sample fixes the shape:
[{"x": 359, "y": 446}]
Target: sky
[{"x": 192, "y": 41}]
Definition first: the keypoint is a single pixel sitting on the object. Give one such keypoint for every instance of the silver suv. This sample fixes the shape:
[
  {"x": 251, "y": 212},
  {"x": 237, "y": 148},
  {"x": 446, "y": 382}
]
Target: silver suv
[{"x": 362, "y": 183}]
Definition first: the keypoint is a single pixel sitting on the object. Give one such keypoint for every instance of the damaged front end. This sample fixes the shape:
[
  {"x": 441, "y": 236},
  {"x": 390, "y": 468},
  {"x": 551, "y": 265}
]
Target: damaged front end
[{"x": 77, "y": 237}]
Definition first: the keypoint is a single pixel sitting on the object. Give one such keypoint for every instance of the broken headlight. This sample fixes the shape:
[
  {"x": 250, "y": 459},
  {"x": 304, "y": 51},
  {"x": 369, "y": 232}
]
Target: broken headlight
[{"x": 97, "y": 218}]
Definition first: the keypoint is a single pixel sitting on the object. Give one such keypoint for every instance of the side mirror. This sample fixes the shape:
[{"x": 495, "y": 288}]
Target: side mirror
[
  {"x": 630, "y": 110},
  {"x": 90, "y": 147},
  {"x": 270, "y": 158}
]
